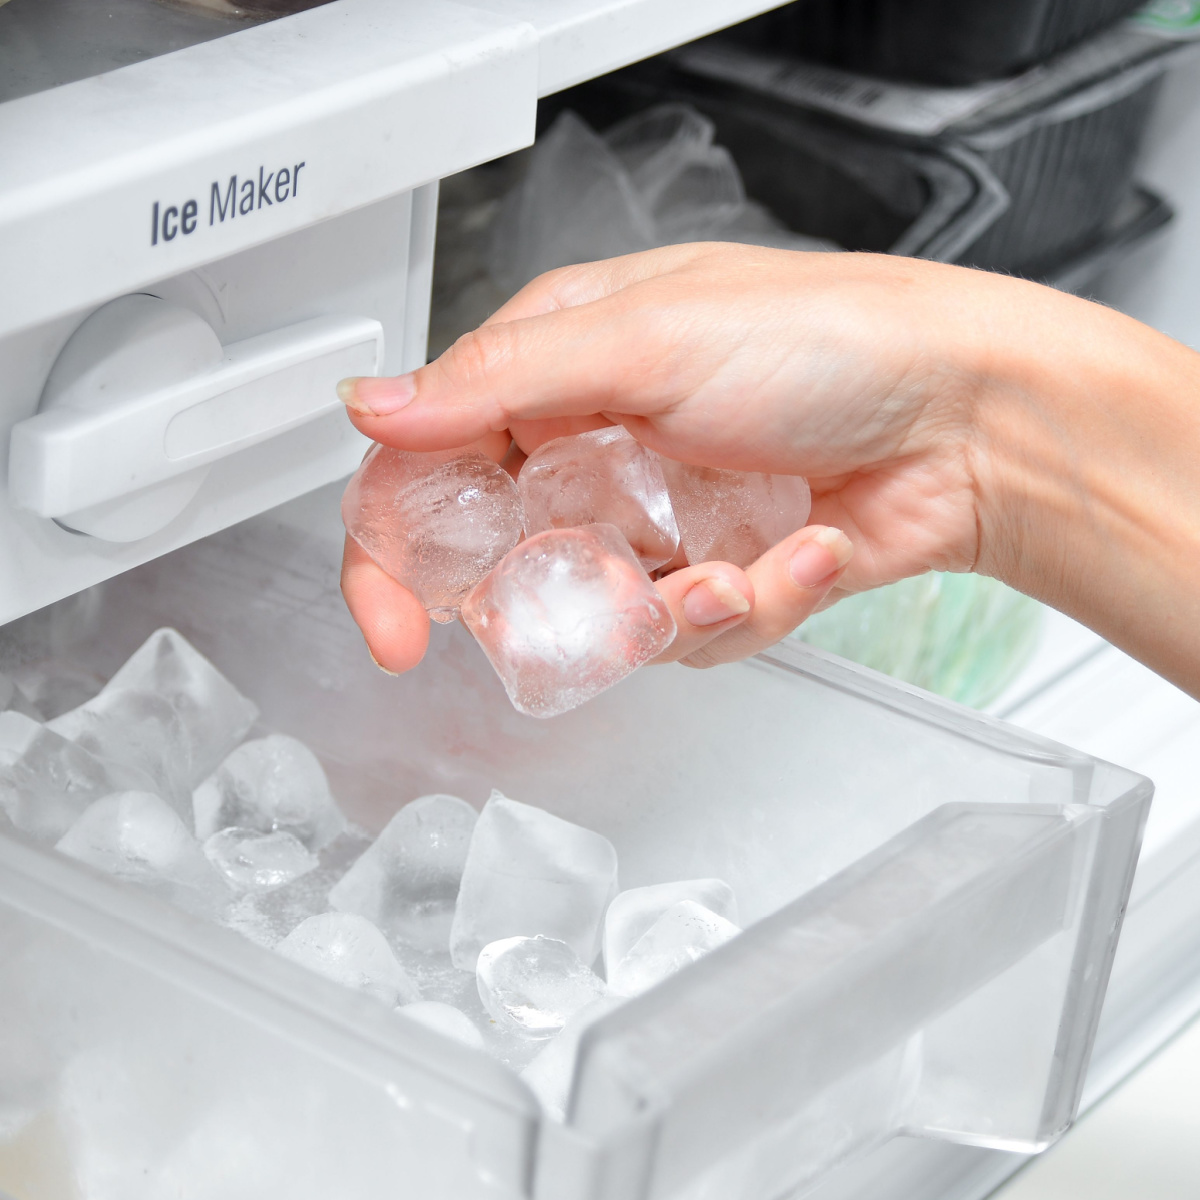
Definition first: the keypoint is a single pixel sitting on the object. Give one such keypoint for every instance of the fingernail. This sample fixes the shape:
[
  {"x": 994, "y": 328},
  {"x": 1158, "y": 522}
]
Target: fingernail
[
  {"x": 376, "y": 397},
  {"x": 713, "y": 600},
  {"x": 393, "y": 674},
  {"x": 827, "y": 551}
]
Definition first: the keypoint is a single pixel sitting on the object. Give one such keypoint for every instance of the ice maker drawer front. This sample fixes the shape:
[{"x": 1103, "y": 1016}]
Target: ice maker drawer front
[{"x": 843, "y": 1011}]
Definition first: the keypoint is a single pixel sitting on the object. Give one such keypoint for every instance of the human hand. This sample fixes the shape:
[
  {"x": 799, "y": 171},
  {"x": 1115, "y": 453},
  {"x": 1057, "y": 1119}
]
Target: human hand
[{"x": 946, "y": 418}]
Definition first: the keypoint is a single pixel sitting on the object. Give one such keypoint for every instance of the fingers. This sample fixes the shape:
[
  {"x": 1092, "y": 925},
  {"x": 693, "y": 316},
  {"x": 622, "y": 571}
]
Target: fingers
[
  {"x": 392, "y": 619},
  {"x": 705, "y": 600},
  {"x": 789, "y": 582}
]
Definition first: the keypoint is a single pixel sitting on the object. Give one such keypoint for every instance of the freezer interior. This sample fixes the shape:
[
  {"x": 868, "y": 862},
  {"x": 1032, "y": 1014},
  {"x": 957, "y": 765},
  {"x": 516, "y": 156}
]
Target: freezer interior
[{"x": 932, "y": 901}]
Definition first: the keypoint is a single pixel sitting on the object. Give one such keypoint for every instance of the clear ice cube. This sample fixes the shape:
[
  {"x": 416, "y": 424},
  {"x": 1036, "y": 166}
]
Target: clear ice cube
[
  {"x": 138, "y": 729},
  {"x": 349, "y": 950},
  {"x": 215, "y": 715},
  {"x": 46, "y": 781},
  {"x": 437, "y": 522},
  {"x": 684, "y": 933},
  {"x": 733, "y": 516},
  {"x": 445, "y": 1019},
  {"x": 567, "y": 614},
  {"x": 634, "y": 911},
  {"x": 551, "y": 1073},
  {"x": 258, "y": 862},
  {"x": 602, "y": 476},
  {"x": 534, "y": 984},
  {"x": 407, "y": 881},
  {"x": 138, "y": 837},
  {"x": 14, "y": 699},
  {"x": 269, "y": 784},
  {"x": 56, "y": 686},
  {"x": 529, "y": 872}
]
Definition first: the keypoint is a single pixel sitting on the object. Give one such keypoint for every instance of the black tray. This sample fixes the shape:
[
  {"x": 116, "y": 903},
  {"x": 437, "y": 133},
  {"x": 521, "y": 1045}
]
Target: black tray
[{"x": 933, "y": 41}]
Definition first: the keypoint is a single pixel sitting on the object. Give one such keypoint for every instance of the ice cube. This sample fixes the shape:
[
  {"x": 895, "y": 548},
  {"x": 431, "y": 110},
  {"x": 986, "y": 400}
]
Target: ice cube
[
  {"x": 46, "y": 781},
  {"x": 530, "y": 872},
  {"x": 349, "y": 950},
  {"x": 437, "y": 522},
  {"x": 601, "y": 476},
  {"x": 215, "y": 715},
  {"x": 633, "y": 912},
  {"x": 567, "y": 614},
  {"x": 139, "y": 837},
  {"x": 407, "y": 881},
  {"x": 684, "y": 933},
  {"x": 56, "y": 686},
  {"x": 576, "y": 204},
  {"x": 138, "y": 729},
  {"x": 550, "y": 1074},
  {"x": 269, "y": 784},
  {"x": 446, "y": 1020},
  {"x": 14, "y": 699},
  {"x": 257, "y": 862},
  {"x": 534, "y": 984},
  {"x": 733, "y": 516}
]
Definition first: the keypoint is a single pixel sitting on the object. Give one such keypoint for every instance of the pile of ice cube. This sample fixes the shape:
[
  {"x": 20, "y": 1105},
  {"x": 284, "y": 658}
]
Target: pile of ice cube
[
  {"x": 503, "y": 930},
  {"x": 570, "y": 610}
]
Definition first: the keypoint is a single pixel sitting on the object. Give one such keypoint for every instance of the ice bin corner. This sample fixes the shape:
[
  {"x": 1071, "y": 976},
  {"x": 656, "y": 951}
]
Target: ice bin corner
[{"x": 935, "y": 899}]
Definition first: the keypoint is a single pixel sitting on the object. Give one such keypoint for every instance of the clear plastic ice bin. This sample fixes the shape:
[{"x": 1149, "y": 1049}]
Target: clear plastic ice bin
[{"x": 932, "y": 898}]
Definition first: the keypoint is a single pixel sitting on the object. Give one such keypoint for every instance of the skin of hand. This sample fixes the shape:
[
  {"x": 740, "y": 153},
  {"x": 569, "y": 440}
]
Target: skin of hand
[{"x": 946, "y": 419}]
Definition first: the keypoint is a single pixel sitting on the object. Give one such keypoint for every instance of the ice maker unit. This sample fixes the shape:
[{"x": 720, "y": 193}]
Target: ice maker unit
[{"x": 208, "y": 217}]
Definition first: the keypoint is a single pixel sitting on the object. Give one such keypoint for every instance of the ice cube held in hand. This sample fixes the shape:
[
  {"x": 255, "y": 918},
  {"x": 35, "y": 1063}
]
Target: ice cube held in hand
[
  {"x": 534, "y": 984},
  {"x": 550, "y": 1075},
  {"x": 684, "y": 933},
  {"x": 138, "y": 837},
  {"x": 601, "y": 476},
  {"x": 437, "y": 522},
  {"x": 269, "y": 784},
  {"x": 527, "y": 873},
  {"x": 445, "y": 1019},
  {"x": 257, "y": 862},
  {"x": 407, "y": 881},
  {"x": 137, "y": 729},
  {"x": 733, "y": 516},
  {"x": 567, "y": 614},
  {"x": 215, "y": 715},
  {"x": 46, "y": 781},
  {"x": 634, "y": 911},
  {"x": 349, "y": 950}
]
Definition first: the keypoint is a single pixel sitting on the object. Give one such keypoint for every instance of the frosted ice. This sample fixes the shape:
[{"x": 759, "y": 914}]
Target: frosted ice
[
  {"x": 349, "y": 950},
  {"x": 407, "y": 881},
  {"x": 46, "y": 781},
  {"x": 446, "y": 1020},
  {"x": 257, "y": 862},
  {"x": 137, "y": 729},
  {"x": 269, "y": 784},
  {"x": 576, "y": 204},
  {"x": 684, "y": 933},
  {"x": 138, "y": 837},
  {"x": 550, "y": 1074},
  {"x": 634, "y": 911},
  {"x": 733, "y": 516},
  {"x": 567, "y": 614},
  {"x": 534, "y": 984},
  {"x": 601, "y": 476},
  {"x": 529, "y": 872},
  {"x": 215, "y": 715},
  {"x": 436, "y": 522}
]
